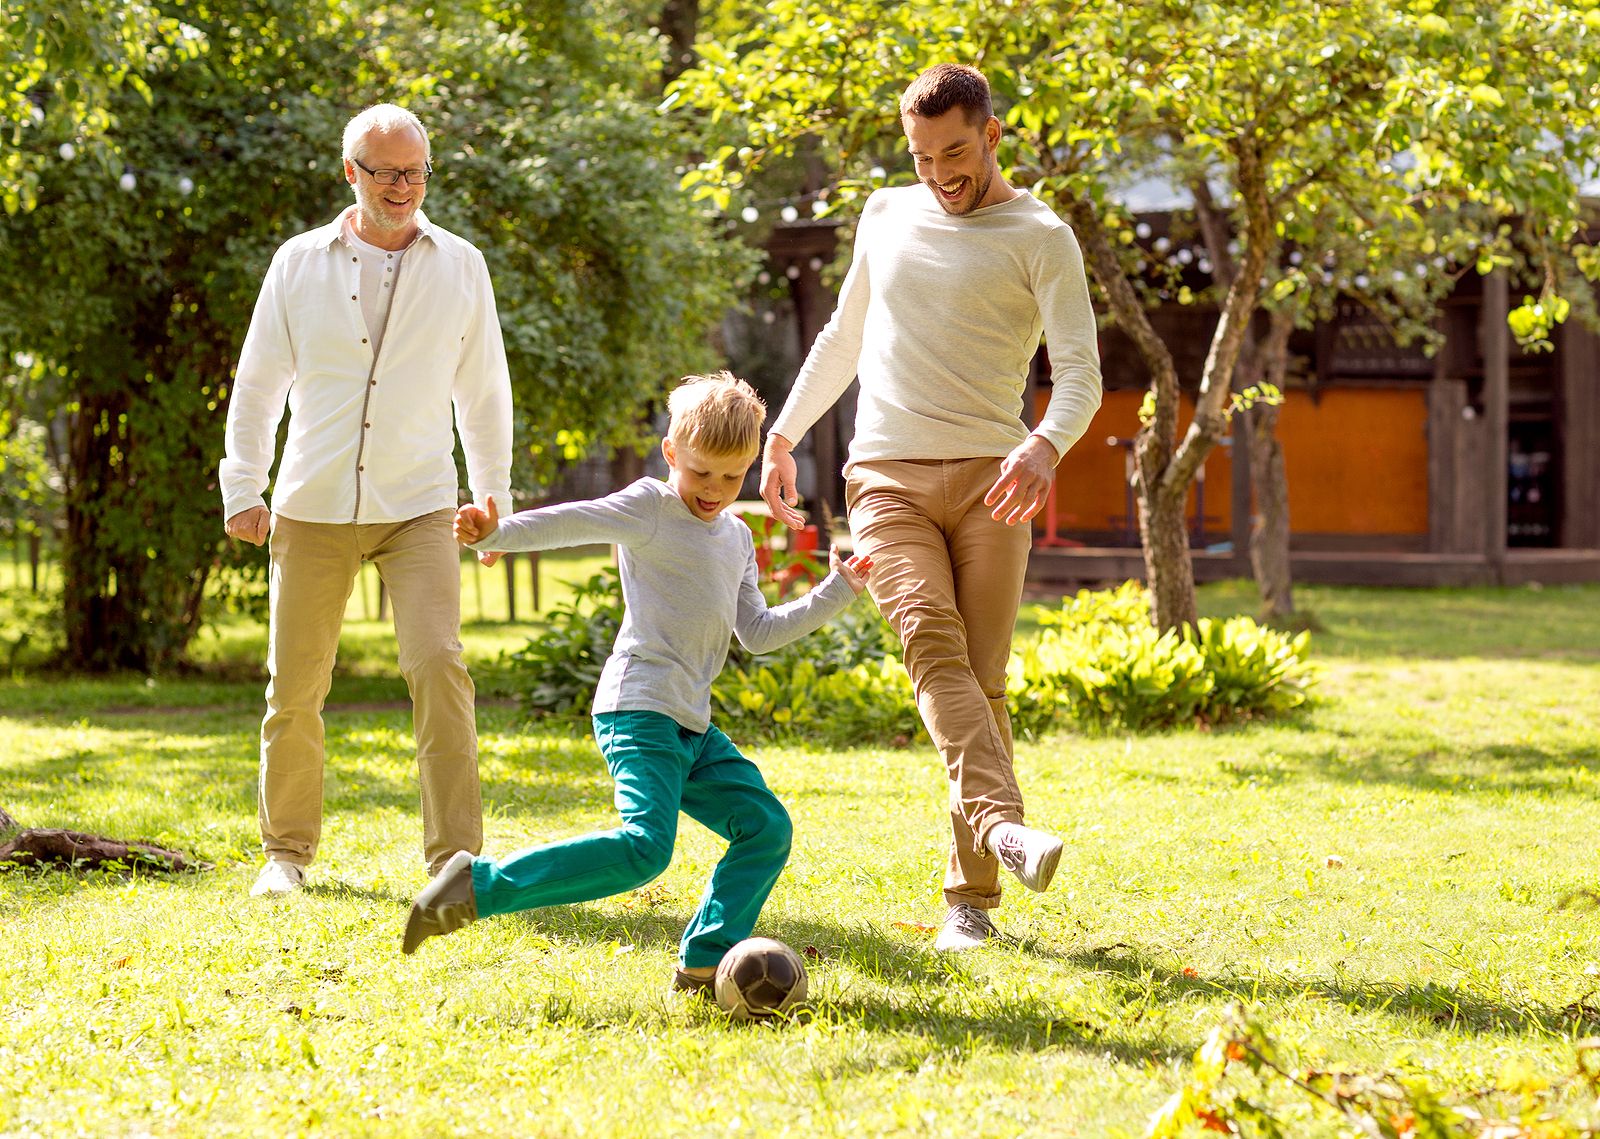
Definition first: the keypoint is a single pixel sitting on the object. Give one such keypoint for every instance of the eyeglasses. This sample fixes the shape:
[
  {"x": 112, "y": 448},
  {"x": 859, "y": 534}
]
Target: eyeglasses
[{"x": 390, "y": 177}]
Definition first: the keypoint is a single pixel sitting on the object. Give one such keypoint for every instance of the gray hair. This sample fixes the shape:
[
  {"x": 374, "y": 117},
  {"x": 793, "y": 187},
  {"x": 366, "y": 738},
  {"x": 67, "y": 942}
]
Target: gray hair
[{"x": 384, "y": 118}]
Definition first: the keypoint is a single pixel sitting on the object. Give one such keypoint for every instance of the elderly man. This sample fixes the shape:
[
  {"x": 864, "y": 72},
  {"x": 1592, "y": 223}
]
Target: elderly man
[
  {"x": 372, "y": 329},
  {"x": 952, "y": 282}
]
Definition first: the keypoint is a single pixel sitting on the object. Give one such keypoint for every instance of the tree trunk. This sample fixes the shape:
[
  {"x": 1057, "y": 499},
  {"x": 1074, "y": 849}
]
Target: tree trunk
[
  {"x": 99, "y": 590},
  {"x": 1169, "y": 570},
  {"x": 1269, "y": 525},
  {"x": 680, "y": 20},
  {"x": 75, "y": 850}
]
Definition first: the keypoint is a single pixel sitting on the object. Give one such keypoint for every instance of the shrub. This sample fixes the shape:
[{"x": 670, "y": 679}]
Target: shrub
[
  {"x": 1101, "y": 664},
  {"x": 1098, "y": 665},
  {"x": 557, "y": 671}
]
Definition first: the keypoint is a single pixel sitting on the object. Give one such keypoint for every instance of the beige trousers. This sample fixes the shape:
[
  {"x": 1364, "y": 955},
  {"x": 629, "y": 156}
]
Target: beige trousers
[
  {"x": 313, "y": 570},
  {"x": 948, "y": 578}
]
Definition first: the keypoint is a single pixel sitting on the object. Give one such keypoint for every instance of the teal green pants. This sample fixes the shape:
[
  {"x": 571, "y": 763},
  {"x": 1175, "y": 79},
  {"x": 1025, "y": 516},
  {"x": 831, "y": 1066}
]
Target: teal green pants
[{"x": 660, "y": 768}]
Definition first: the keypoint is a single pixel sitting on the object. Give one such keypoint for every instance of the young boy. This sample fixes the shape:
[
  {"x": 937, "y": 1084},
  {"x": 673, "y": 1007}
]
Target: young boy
[{"x": 688, "y": 580}]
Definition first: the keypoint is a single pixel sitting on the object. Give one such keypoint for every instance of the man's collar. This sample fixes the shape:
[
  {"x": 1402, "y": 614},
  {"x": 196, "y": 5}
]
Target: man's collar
[{"x": 333, "y": 232}]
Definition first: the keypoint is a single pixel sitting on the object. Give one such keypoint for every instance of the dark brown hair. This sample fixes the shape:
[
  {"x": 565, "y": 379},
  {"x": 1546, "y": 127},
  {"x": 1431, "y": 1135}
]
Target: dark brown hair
[{"x": 946, "y": 86}]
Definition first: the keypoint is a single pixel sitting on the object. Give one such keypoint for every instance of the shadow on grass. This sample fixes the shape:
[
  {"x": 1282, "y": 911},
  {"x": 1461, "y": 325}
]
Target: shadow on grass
[
  {"x": 1509, "y": 623},
  {"x": 869, "y": 980},
  {"x": 1424, "y": 765},
  {"x": 1433, "y": 1005},
  {"x": 874, "y": 980},
  {"x": 370, "y": 767}
]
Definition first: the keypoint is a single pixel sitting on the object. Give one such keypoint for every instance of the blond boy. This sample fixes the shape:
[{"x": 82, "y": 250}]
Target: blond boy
[{"x": 689, "y": 581}]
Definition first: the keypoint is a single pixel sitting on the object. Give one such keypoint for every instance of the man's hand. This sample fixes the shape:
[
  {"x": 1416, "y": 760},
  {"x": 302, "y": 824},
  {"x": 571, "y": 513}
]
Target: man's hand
[
  {"x": 778, "y": 482},
  {"x": 250, "y": 525},
  {"x": 474, "y": 524},
  {"x": 854, "y": 570},
  {"x": 1026, "y": 476}
]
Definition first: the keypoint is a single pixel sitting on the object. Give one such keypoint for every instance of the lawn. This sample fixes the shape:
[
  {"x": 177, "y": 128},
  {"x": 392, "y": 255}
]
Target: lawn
[{"x": 1376, "y": 882}]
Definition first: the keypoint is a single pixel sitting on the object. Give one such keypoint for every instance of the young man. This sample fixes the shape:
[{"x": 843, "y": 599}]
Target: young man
[
  {"x": 371, "y": 329},
  {"x": 689, "y": 581},
  {"x": 952, "y": 282}
]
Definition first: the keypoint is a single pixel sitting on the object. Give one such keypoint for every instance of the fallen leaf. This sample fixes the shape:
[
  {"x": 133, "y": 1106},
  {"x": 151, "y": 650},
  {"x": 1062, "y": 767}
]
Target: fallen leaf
[
  {"x": 1333, "y": 862},
  {"x": 917, "y": 926}
]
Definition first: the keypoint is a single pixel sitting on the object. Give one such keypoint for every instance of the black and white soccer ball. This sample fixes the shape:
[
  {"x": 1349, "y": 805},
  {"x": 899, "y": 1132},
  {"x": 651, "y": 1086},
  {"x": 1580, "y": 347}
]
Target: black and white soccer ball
[{"x": 758, "y": 978}]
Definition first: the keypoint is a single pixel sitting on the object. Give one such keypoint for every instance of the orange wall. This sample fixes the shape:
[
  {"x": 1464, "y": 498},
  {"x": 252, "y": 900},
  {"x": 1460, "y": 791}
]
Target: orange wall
[
  {"x": 1357, "y": 460},
  {"x": 1357, "y": 463},
  {"x": 1091, "y": 483}
]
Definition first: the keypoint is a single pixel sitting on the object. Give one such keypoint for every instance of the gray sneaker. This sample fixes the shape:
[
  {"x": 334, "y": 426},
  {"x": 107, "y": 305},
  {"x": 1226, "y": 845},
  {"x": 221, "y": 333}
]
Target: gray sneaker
[
  {"x": 1029, "y": 854},
  {"x": 445, "y": 904},
  {"x": 965, "y": 927}
]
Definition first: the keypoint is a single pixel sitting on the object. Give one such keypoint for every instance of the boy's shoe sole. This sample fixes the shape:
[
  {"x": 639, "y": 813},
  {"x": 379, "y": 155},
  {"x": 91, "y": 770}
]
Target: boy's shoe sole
[{"x": 445, "y": 904}]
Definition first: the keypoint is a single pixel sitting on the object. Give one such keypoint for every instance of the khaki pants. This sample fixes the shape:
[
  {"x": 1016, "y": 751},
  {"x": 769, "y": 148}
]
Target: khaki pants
[
  {"x": 948, "y": 578},
  {"x": 313, "y": 568}
]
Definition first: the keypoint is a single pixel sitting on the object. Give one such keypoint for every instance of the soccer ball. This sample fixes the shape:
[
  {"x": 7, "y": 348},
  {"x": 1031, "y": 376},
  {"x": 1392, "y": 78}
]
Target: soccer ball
[{"x": 759, "y": 977}]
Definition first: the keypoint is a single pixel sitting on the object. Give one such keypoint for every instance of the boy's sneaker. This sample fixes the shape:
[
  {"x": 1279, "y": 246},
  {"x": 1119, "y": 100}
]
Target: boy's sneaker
[
  {"x": 445, "y": 904},
  {"x": 1029, "y": 854},
  {"x": 701, "y": 987},
  {"x": 965, "y": 927},
  {"x": 278, "y": 878}
]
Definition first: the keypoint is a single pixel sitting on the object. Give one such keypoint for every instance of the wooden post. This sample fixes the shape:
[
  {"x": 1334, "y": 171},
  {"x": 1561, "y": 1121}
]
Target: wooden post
[
  {"x": 510, "y": 562},
  {"x": 1241, "y": 504},
  {"x": 1496, "y": 340},
  {"x": 1578, "y": 422}
]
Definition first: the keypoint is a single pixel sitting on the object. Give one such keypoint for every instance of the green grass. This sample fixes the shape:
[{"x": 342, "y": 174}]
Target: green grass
[{"x": 1451, "y": 764}]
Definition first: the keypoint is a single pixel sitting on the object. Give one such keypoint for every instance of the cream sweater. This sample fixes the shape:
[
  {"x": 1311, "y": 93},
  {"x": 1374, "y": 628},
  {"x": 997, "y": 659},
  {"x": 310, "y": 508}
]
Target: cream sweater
[{"x": 940, "y": 316}]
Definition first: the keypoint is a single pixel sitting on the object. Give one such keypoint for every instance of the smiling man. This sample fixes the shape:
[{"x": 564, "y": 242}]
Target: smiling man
[
  {"x": 952, "y": 283},
  {"x": 378, "y": 330}
]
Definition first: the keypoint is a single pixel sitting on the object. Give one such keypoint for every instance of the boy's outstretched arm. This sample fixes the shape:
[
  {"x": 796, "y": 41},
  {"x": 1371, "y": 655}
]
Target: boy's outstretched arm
[{"x": 474, "y": 524}]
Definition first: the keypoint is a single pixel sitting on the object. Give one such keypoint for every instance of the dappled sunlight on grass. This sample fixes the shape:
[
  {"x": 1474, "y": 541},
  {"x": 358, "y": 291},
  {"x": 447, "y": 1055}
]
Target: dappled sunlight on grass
[{"x": 1378, "y": 877}]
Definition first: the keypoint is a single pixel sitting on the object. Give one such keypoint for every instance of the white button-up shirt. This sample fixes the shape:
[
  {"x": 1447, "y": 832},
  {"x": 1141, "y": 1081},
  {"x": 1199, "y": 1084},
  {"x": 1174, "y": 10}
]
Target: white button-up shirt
[{"x": 370, "y": 438}]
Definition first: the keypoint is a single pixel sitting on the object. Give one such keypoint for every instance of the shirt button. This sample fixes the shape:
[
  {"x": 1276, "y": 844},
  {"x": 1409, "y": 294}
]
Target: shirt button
[
  {"x": 363, "y": 340},
  {"x": 354, "y": 260},
  {"x": 366, "y": 425},
  {"x": 352, "y": 296},
  {"x": 361, "y": 468},
  {"x": 372, "y": 383}
]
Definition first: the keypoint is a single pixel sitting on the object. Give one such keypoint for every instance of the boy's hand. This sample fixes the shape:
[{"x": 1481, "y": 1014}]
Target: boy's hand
[
  {"x": 854, "y": 570},
  {"x": 474, "y": 524}
]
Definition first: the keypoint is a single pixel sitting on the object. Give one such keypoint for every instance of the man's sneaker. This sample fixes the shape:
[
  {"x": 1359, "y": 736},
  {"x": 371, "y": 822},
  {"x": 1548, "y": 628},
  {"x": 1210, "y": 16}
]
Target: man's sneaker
[
  {"x": 1029, "y": 854},
  {"x": 965, "y": 927},
  {"x": 278, "y": 878},
  {"x": 445, "y": 904},
  {"x": 689, "y": 984}
]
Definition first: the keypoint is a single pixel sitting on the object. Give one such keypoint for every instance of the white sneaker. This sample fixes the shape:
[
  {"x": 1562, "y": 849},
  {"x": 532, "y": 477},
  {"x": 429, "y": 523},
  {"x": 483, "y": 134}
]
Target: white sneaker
[
  {"x": 277, "y": 878},
  {"x": 965, "y": 927},
  {"x": 1029, "y": 854}
]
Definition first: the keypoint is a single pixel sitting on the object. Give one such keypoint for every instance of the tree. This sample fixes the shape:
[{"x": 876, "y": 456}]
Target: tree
[
  {"x": 1287, "y": 106},
  {"x": 59, "y": 63},
  {"x": 606, "y": 279}
]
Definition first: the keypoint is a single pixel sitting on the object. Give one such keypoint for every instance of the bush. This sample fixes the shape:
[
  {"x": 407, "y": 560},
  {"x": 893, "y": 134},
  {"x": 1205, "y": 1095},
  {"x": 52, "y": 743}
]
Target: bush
[
  {"x": 1098, "y": 665},
  {"x": 557, "y": 671},
  {"x": 1102, "y": 665}
]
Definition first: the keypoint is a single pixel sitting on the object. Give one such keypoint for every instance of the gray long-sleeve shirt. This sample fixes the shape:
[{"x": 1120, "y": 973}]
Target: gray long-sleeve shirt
[{"x": 687, "y": 585}]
